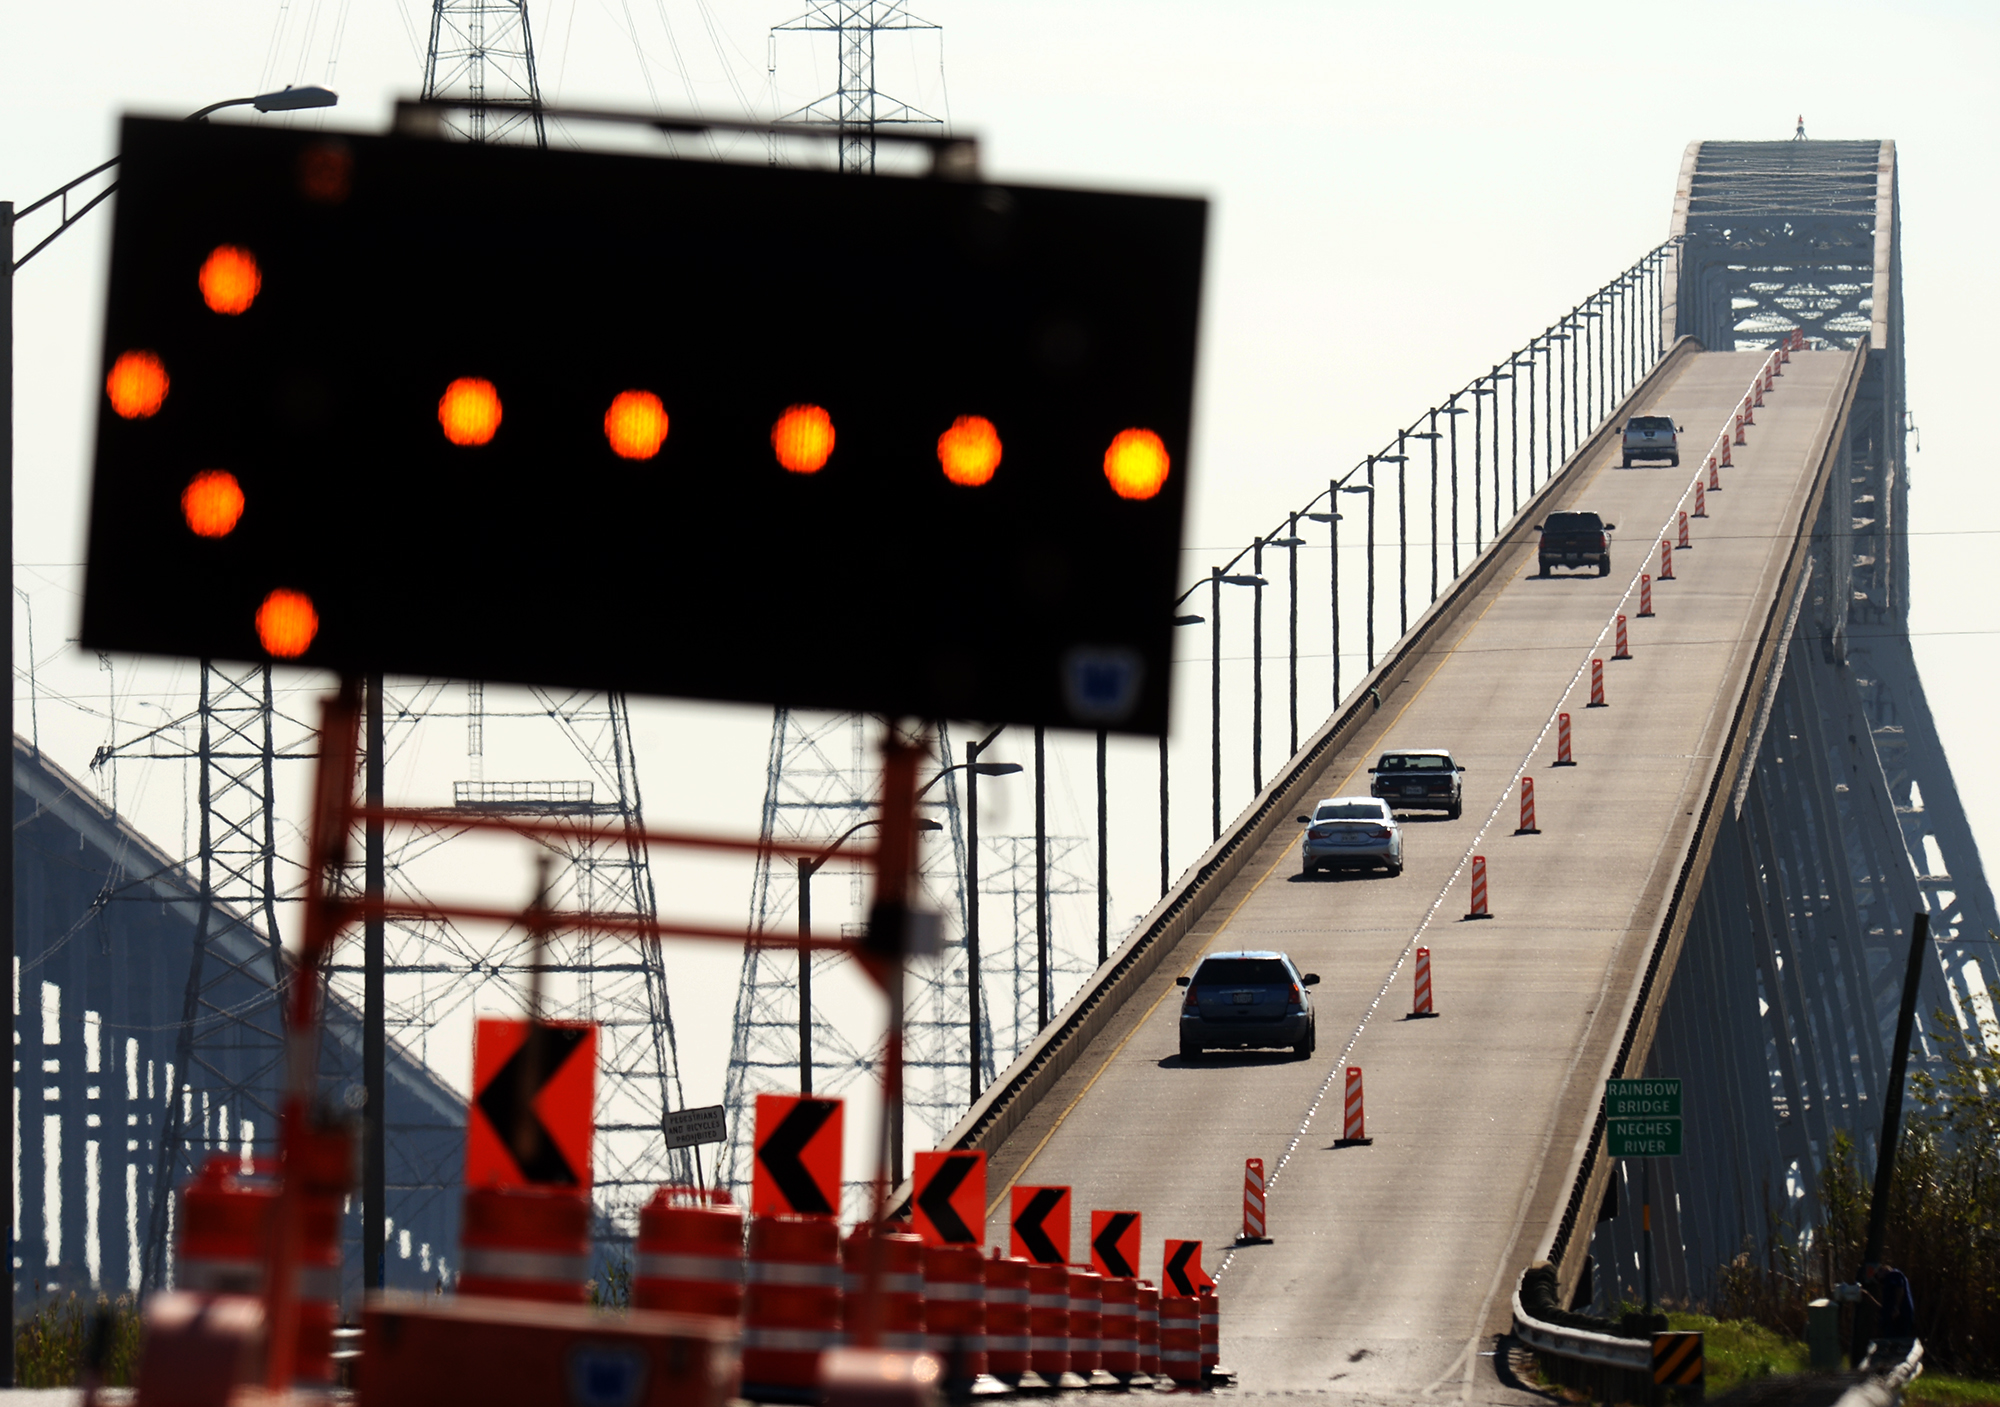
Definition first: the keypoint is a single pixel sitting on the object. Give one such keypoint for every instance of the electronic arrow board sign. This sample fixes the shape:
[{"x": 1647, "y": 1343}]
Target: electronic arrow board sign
[{"x": 873, "y": 443}]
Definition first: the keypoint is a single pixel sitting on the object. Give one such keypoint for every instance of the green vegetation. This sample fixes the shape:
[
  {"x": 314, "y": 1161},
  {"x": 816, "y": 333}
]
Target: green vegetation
[
  {"x": 1738, "y": 1351},
  {"x": 50, "y": 1345},
  {"x": 1943, "y": 1229}
]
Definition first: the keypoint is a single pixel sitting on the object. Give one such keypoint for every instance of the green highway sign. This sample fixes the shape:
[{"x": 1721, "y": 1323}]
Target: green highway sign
[
  {"x": 1643, "y": 1138},
  {"x": 1642, "y": 1099}
]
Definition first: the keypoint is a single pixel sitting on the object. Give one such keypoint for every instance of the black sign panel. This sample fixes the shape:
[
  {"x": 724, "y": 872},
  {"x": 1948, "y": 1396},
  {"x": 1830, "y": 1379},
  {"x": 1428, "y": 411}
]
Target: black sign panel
[{"x": 674, "y": 427}]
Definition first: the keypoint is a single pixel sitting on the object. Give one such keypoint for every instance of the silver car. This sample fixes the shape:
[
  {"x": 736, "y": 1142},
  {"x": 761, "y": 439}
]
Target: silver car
[
  {"x": 1651, "y": 437},
  {"x": 1352, "y": 832}
]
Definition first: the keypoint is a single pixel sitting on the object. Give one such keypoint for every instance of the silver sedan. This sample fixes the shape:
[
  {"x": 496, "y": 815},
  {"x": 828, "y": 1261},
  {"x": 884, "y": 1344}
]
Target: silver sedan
[{"x": 1352, "y": 832}]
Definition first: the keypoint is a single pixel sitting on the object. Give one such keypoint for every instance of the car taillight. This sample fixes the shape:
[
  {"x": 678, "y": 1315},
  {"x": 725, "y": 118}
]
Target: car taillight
[
  {"x": 1603, "y": 542},
  {"x": 1378, "y": 832},
  {"x": 1295, "y": 1001},
  {"x": 1321, "y": 832},
  {"x": 1190, "y": 1004}
]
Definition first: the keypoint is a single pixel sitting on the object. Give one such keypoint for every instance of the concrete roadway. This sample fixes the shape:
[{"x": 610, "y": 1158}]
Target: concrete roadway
[{"x": 1392, "y": 1265}]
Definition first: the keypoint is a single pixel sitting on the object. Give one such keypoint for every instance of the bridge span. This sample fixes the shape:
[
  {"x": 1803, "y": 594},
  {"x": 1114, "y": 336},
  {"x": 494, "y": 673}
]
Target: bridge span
[
  {"x": 1721, "y": 887},
  {"x": 1391, "y": 1265}
]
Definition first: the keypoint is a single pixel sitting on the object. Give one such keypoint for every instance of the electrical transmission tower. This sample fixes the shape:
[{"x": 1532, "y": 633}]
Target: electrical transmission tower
[
  {"x": 1007, "y": 871},
  {"x": 439, "y": 976},
  {"x": 857, "y": 107},
  {"x": 819, "y": 784},
  {"x": 820, "y": 781},
  {"x": 221, "y": 1093},
  {"x": 483, "y": 51}
]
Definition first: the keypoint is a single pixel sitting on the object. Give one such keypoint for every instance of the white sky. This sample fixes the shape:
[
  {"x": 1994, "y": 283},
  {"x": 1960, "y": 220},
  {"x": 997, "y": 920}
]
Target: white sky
[{"x": 1401, "y": 196}]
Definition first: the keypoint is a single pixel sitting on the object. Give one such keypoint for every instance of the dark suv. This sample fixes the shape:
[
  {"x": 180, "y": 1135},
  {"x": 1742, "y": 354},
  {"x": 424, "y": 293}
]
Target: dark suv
[
  {"x": 1418, "y": 779},
  {"x": 1575, "y": 540},
  {"x": 1247, "y": 1000}
]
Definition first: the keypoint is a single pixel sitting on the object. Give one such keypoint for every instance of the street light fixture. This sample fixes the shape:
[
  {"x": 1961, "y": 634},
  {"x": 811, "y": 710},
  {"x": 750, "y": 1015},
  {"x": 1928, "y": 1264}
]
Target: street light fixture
[
  {"x": 1216, "y": 581},
  {"x": 1165, "y": 837},
  {"x": 286, "y": 99},
  {"x": 808, "y": 867},
  {"x": 974, "y": 769}
]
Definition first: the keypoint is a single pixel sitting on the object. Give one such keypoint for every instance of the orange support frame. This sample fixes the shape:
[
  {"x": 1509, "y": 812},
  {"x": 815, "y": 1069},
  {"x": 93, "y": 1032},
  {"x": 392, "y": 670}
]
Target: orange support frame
[{"x": 335, "y": 814}]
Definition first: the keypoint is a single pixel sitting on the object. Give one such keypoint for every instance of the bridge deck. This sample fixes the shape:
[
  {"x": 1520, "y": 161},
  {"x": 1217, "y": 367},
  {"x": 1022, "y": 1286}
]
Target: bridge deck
[{"x": 1392, "y": 1264}]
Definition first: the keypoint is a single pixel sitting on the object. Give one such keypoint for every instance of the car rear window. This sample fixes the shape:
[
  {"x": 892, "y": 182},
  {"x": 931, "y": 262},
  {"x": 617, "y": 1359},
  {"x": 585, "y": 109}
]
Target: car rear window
[
  {"x": 1350, "y": 811},
  {"x": 1398, "y": 762},
  {"x": 1573, "y": 523},
  {"x": 1240, "y": 972},
  {"x": 1650, "y": 422}
]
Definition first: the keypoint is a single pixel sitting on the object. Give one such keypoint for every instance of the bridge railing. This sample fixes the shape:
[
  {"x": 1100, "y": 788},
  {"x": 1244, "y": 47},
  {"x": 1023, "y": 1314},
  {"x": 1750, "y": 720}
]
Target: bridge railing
[{"x": 1458, "y": 474}]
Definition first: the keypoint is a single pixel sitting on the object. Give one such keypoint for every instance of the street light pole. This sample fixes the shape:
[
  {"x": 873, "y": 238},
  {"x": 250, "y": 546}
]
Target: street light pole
[
  {"x": 8, "y": 1153},
  {"x": 1041, "y": 883},
  {"x": 9, "y": 266},
  {"x": 1257, "y": 668},
  {"x": 1103, "y": 864},
  {"x": 806, "y": 868},
  {"x": 1292, "y": 569}
]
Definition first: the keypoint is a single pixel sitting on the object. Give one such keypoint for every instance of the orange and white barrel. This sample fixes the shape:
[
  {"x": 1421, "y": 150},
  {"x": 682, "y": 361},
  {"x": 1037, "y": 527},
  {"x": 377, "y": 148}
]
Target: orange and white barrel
[
  {"x": 1211, "y": 1329},
  {"x": 1086, "y": 1320},
  {"x": 1048, "y": 1320},
  {"x": 1180, "y": 1339},
  {"x": 1009, "y": 1316},
  {"x": 690, "y": 1255},
  {"x": 225, "y": 1230},
  {"x": 525, "y": 1243},
  {"x": 1121, "y": 1328},
  {"x": 955, "y": 1309},
  {"x": 1148, "y": 1319},
  {"x": 791, "y": 1300},
  {"x": 900, "y": 1282}
]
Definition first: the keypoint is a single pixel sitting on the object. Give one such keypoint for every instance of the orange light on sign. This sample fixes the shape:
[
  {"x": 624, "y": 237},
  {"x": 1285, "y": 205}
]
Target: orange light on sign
[
  {"x": 1136, "y": 464},
  {"x": 230, "y": 279},
  {"x": 212, "y": 503},
  {"x": 286, "y": 623},
  {"x": 803, "y": 438},
  {"x": 969, "y": 450},
  {"x": 469, "y": 411},
  {"x": 326, "y": 172},
  {"x": 636, "y": 424},
  {"x": 137, "y": 384}
]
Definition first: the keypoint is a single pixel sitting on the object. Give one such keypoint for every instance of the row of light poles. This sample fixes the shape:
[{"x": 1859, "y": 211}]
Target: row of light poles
[{"x": 1594, "y": 355}]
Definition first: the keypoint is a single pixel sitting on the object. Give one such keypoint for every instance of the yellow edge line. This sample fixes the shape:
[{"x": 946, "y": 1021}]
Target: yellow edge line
[{"x": 1069, "y": 1109}]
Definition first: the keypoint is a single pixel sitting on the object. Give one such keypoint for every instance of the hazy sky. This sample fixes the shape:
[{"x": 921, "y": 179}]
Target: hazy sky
[{"x": 1401, "y": 196}]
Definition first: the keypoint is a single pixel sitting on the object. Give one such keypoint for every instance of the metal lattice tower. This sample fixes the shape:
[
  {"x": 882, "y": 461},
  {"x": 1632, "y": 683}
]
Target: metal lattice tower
[
  {"x": 820, "y": 779},
  {"x": 439, "y": 974},
  {"x": 819, "y": 782},
  {"x": 1007, "y": 954},
  {"x": 856, "y": 107},
  {"x": 223, "y": 1089},
  {"x": 484, "y": 52}
]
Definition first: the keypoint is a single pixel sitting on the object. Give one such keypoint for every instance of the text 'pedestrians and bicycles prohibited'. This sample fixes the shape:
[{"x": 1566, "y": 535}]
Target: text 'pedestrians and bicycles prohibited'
[{"x": 686, "y": 1128}]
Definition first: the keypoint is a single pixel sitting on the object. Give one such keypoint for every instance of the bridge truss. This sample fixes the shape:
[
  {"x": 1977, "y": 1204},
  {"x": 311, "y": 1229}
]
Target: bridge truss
[{"x": 1846, "y": 822}]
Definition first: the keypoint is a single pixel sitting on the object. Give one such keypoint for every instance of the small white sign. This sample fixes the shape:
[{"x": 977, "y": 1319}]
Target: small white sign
[{"x": 688, "y": 1127}]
